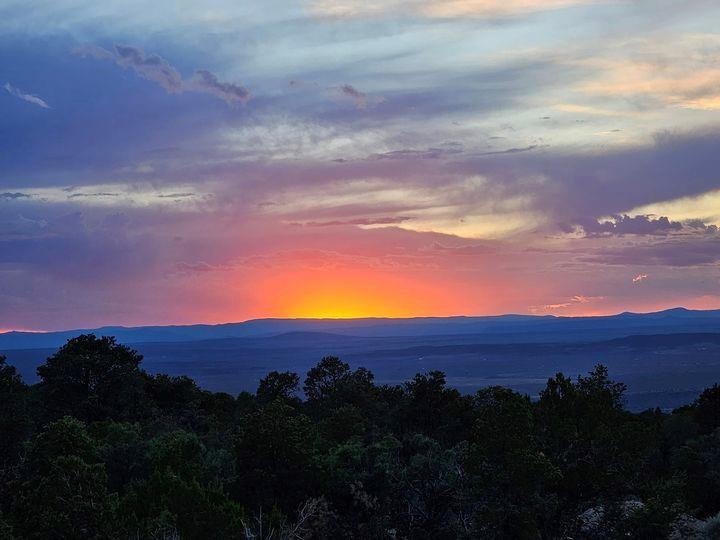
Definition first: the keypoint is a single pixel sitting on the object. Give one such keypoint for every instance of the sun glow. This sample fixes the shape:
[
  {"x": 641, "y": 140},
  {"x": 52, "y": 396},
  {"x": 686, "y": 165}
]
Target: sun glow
[{"x": 352, "y": 294}]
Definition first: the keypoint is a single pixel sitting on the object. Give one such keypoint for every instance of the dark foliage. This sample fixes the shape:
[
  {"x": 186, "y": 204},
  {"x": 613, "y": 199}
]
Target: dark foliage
[{"x": 100, "y": 449}]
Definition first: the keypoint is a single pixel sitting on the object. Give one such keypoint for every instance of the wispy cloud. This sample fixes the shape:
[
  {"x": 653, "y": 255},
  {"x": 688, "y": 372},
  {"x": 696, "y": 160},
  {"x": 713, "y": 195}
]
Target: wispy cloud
[
  {"x": 361, "y": 222},
  {"x": 158, "y": 70},
  {"x": 576, "y": 300},
  {"x": 358, "y": 97},
  {"x": 681, "y": 72},
  {"x": 30, "y": 98},
  {"x": 151, "y": 67},
  {"x": 445, "y": 9},
  {"x": 205, "y": 81},
  {"x": 12, "y": 196}
]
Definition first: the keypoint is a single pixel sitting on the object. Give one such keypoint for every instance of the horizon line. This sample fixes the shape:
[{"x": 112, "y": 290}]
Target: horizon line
[{"x": 377, "y": 317}]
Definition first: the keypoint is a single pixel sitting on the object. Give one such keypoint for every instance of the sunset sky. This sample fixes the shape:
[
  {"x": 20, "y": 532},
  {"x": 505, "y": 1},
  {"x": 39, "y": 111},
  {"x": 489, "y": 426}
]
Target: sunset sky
[{"x": 180, "y": 162}]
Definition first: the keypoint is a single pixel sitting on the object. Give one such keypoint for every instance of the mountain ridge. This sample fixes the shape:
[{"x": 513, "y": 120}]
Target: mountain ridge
[{"x": 513, "y": 326}]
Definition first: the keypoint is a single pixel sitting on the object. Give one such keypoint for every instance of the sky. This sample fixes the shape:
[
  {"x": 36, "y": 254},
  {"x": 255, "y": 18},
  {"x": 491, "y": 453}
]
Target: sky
[{"x": 182, "y": 162}]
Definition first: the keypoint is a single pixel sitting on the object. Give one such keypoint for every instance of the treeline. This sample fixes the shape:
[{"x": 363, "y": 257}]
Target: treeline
[{"x": 101, "y": 449}]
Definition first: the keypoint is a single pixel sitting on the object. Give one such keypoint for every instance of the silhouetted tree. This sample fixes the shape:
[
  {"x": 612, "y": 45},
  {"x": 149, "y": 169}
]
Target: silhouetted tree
[
  {"x": 273, "y": 454},
  {"x": 707, "y": 409},
  {"x": 155, "y": 456},
  {"x": 277, "y": 385},
  {"x": 325, "y": 378},
  {"x": 62, "y": 490},
  {"x": 331, "y": 384},
  {"x": 92, "y": 378},
  {"x": 513, "y": 478},
  {"x": 15, "y": 421},
  {"x": 434, "y": 409}
]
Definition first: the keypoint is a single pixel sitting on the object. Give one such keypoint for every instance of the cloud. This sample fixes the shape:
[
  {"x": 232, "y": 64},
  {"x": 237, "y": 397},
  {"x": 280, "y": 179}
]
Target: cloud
[
  {"x": 447, "y": 149},
  {"x": 690, "y": 210},
  {"x": 358, "y": 97},
  {"x": 386, "y": 220},
  {"x": 151, "y": 67},
  {"x": 641, "y": 225},
  {"x": 639, "y": 278},
  {"x": 623, "y": 224},
  {"x": 30, "y": 98},
  {"x": 509, "y": 151},
  {"x": 567, "y": 183},
  {"x": 700, "y": 225},
  {"x": 206, "y": 81},
  {"x": 438, "y": 9},
  {"x": 103, "y": 195},
  {"x": 183, "y": 195},
  {"x": 158, "y": 70},
  {"x": 465, "y": 250},
  {"x": 201, "y": 267},
  {"x": 575, "y": 301},
  {"x": 8, "y": 196},
  {"x": 679, "y": 72},
  {"x": 678, "y": 252},
  {"x": 91, "y": 195}
]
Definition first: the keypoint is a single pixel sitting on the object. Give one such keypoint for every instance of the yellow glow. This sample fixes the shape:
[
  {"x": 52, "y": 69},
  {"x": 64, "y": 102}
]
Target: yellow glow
[
  {"x": 705, "y": 207},
  {"x": 703, "y": 104},
  {"x": 342, "y": 291},
  {"x": 585, "y": 109},
  {"x": 350, "y": 294}
]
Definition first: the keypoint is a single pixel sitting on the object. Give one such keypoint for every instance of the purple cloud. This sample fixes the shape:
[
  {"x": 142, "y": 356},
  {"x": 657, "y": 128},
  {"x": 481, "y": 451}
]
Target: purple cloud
[
  {"x": 151, "y": 67},
  {"x": 206, "y": 81},
  {"x": 673, "y": 252},
  {"x": 13, "y": 196},
  {"x": 623, "y": 224},
  {"x": 158, "y": 70},
  {"x": 358, "y": 97},
  {"x": 386, "y": 220}
]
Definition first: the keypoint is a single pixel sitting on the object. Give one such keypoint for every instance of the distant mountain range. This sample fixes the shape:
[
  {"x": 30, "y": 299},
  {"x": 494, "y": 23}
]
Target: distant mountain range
[
  {"x": 497, "y": 329},
  {"x": 665, "y": 358}
]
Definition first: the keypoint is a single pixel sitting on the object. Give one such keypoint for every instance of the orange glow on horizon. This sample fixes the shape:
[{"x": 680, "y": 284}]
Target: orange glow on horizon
[{"x": 332, "y": 293}]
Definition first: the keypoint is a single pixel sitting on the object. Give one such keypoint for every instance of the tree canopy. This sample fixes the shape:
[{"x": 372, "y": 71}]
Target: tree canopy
[{"x": 101, "y": 449}]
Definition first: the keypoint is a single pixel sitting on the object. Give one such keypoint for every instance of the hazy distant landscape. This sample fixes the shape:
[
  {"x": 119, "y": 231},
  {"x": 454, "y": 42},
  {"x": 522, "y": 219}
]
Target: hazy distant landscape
[{"x": 665, "y": 358}]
